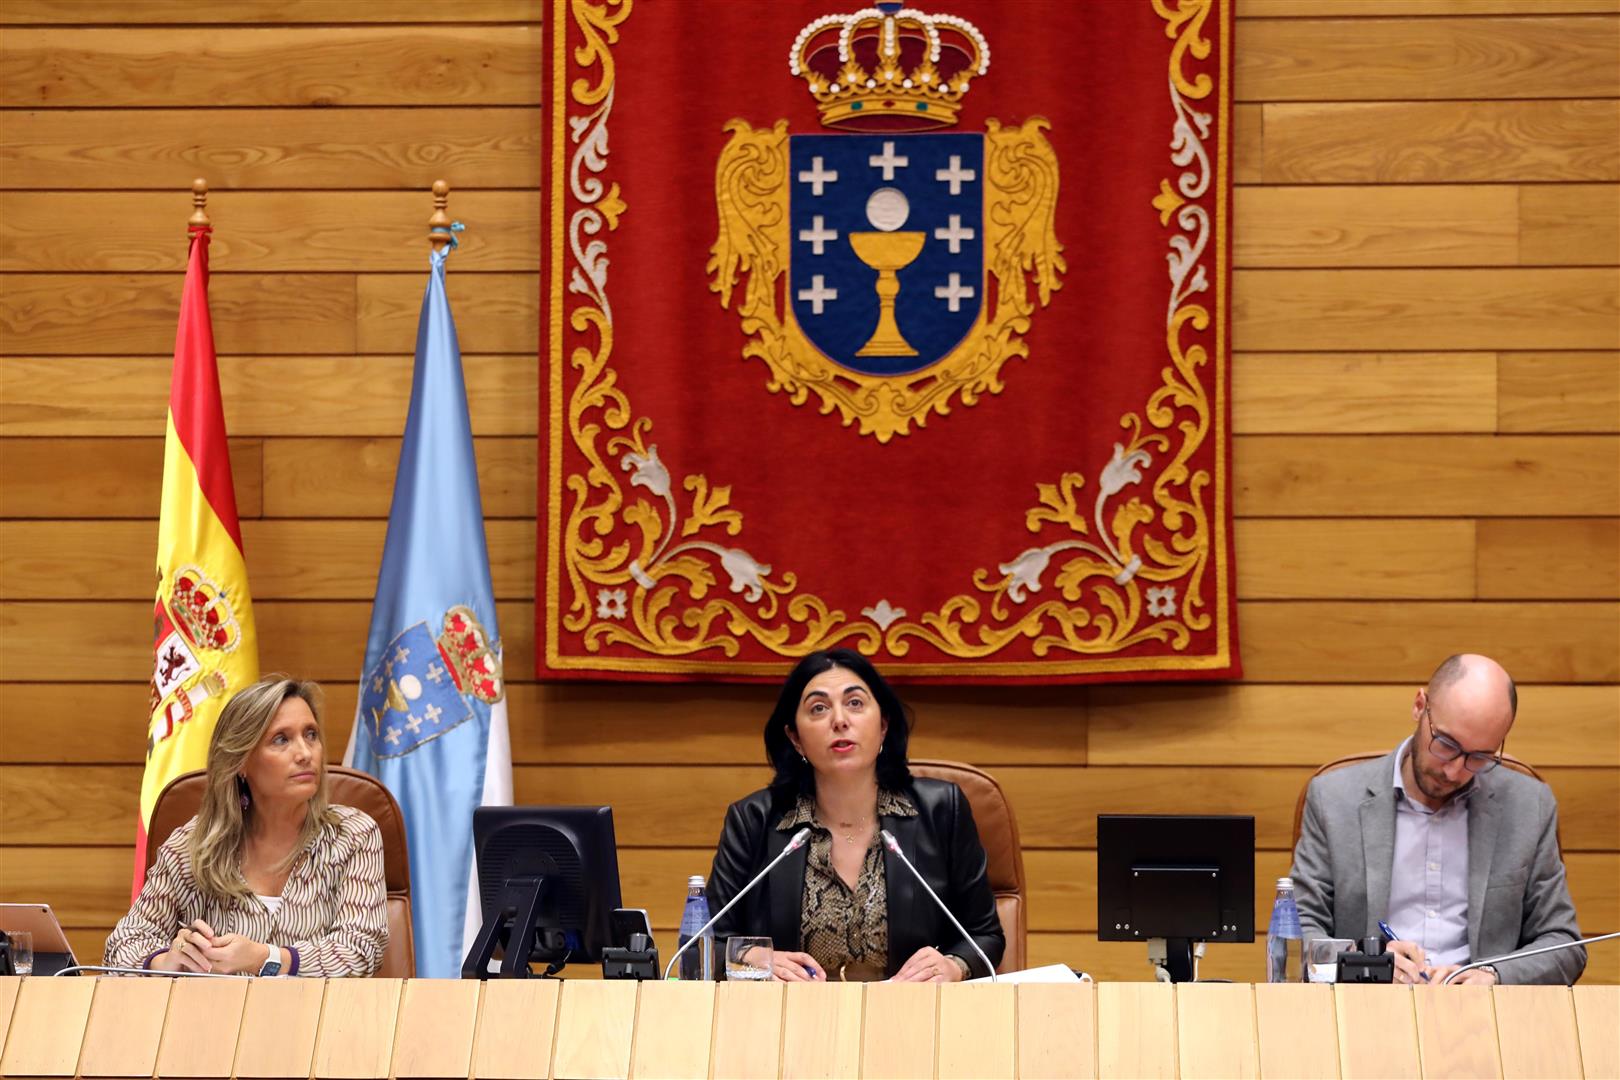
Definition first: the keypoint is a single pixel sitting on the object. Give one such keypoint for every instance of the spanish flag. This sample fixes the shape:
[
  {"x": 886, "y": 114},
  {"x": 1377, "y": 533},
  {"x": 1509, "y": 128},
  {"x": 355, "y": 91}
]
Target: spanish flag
[{"x": 204, "y": 647}]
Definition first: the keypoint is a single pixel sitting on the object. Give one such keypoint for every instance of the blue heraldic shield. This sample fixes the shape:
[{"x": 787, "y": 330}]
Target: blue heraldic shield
[
  {"x": 410, "y": 697},
  {"x": 886, "y": 274}
]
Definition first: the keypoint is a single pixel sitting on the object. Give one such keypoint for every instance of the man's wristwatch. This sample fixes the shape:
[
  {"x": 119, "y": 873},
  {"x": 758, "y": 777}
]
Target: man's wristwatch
[{"x": 272, "y": 963}]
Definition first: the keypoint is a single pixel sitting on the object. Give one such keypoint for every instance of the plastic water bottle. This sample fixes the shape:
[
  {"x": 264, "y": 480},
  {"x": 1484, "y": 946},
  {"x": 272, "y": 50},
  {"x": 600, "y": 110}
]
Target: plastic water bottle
[
  {"x": 698, "y": 961},
  {"x": 1284, "y": 957}
]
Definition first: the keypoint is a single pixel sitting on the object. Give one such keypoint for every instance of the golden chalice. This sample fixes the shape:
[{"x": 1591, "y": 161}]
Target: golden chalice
[{"x": 887, "y": 252}]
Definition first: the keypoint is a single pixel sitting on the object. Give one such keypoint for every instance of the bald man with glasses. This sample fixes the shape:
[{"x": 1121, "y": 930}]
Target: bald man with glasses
[{"x": 1459, "y": 857}]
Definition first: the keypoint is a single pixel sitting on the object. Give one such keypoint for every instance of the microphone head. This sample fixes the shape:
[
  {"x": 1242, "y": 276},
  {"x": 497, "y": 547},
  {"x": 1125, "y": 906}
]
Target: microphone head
[
  {"x": 798, "y": 839},
  {"x": 889, "y": 841}
]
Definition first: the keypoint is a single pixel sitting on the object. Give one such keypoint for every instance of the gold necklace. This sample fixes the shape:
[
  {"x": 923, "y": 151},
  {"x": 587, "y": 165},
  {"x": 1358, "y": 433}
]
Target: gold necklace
[{"x": 849, "y": 837}]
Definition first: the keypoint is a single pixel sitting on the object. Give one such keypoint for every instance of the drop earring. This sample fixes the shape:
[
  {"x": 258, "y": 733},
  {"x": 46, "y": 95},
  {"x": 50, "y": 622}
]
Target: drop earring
[{"x": 242, "y": 787}]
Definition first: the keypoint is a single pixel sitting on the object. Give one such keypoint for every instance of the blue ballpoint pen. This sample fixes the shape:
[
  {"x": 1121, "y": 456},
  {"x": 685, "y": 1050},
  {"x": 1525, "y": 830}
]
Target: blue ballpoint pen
[{"x": 1391, "y": 935}]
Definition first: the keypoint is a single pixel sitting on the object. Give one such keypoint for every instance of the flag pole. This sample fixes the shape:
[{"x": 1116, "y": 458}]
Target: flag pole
[
  {"x": 439, "y": 233},
  {"x": 199, "y": 202}
]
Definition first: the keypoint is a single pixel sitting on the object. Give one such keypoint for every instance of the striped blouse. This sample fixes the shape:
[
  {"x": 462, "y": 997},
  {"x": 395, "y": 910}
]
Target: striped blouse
[{"x": 332, "y": 917}]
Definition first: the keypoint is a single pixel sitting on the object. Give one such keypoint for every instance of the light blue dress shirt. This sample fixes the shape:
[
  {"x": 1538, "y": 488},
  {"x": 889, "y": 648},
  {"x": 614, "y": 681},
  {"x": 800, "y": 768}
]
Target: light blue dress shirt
[{"x": 1428, "y": 883}]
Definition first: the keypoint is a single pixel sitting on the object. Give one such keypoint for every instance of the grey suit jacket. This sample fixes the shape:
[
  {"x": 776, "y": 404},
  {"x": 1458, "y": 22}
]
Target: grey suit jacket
[{"x": 1517, "y": 896}]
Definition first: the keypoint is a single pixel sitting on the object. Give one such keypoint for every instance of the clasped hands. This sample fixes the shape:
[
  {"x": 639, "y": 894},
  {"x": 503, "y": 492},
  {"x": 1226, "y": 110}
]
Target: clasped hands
[
  {"x": 1411, "y": 966},
  {"x": 198, "y": 948},
  {"x": 926, "y": 965}
]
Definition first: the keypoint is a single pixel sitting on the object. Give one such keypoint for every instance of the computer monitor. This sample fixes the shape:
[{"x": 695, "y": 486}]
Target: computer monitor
[
  {"x": 1173, "y": 880},
  {"x": 549, "y": 880}
]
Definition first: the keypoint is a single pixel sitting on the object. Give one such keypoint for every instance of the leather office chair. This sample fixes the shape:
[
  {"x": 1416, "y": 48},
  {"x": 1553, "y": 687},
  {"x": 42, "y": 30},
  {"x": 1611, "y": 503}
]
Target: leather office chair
[
  {"x": 998, "y": 832},
  {"x": 1508, "y": 762},
  {"x": 177, "y": 804}
]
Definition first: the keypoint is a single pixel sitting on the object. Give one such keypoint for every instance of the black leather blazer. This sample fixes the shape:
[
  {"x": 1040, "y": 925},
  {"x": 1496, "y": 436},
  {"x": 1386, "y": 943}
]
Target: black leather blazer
[{"x": 941, "y": 841}]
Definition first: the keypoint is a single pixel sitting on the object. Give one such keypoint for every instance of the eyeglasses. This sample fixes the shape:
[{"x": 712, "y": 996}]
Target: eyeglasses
[{"x": 1445, "y": 748}]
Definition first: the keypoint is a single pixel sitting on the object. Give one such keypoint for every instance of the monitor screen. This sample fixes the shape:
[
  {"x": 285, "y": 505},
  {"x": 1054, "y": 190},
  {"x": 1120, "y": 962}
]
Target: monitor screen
[
  {"x": 1175, "y": 876},
  {"x": 566, "y": 859}
]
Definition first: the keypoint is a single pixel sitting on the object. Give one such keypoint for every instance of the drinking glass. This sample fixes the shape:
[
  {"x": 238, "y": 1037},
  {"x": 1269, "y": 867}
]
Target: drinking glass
[
  {"x": 749, "y": 958},
  {"x": 1322, "y": 958},
  {"x": 22, "y": 952}
]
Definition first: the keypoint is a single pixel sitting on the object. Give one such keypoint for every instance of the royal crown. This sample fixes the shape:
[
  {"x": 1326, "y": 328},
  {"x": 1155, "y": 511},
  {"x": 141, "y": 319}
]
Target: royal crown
[
  {"x": 889, "y": 68},
  {"x": 202, "y": 611}
]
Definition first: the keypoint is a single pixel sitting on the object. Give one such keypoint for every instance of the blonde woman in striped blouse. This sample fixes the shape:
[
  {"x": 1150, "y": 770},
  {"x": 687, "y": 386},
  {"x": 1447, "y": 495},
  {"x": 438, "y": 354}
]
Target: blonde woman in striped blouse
[{"x": 268, "y": 878}]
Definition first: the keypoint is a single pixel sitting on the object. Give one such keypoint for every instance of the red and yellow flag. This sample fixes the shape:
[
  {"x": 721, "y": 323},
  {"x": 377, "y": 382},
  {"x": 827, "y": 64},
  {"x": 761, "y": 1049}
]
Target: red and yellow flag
[{"x": 204, "y": 645}]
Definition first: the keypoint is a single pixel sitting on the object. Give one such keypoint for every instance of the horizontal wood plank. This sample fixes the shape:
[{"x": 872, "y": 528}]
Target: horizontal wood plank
[
  {"x": 90, "y": 886},
  {"x": 1530, "y": 558},
  {"x": 1431, "y": 310},
  {"x": 1255, "y": 724},
  {"x": 355, "y": 477},
  {"x": 176, "y": 67},
  {"x": 108, "y": 478},
  {"x": 1248, "y": 150},
  {"x": 1436, "y": 142},
  {"x": 262, "y": 231},
  {"x": 1569, "y": 224},
  {"x": 1433, "y": 475},
  {"x": 493, "y": 312},
  {"x": 1558, "y": 392},
  {"x": 1426, "y": 58},
  {"x": 124, "y": 313},
  {"x": 1412, "y": 225},
  {"x": 1291, "y": 559},
  {"x": 235, "y": 149},
  {"x": 1357, "y": 641},
  {"x": 683, "y": 806},
  {"x": 1348, "y": 393},
  {"x": 262, "y": 12},
  {"x": 331, "y": 395}
]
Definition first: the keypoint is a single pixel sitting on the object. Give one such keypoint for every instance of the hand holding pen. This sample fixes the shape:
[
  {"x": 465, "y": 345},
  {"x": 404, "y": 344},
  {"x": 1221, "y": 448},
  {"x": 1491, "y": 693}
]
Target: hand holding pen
[{"x": 1409, "y": 958}]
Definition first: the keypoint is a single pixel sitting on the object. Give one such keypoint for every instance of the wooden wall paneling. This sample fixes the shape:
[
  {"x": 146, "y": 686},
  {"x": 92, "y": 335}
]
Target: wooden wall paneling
[
  {"x": 1518, "y": 308},
  {"x": 1437, "y": 142},
  {"x": 516, "y": 1025},
  {"x": 1248, "y": 138},
  {"x": 201, "y": 1030},
  {"x": 1543, "y": 558},
  {"x": 1338, "y": 559},
  {"x": 494, "y": 312},
  {"x": 1426, "y": 58},
  {"x": 319, "y": 66},
  {"x": 1295, "y": 1031},
  {"x": 1057, "y": 1031},
  {"x": 1409, "y": 225},
  {"x": 355, "y": 477},
  {"x": 1425, "y": 476},
  {"x": 1595, "y": 1010},
  {"x": 1442, "y": 1012},
  {"x": 1350, "y": 393},
  {"x": 1569, "y": 224},
  {"x": 250, "y": 12},
  {"x": 1558, "y": 392},
  {"x": 108, "y": 478},
  {"x": 47, "y": 1027},
  {"x": 338, "y": 395},
  {"x": 260, "y": 231},
  {"x": 280, "y": 1022},
  {"x": 1535, "y": 1031},
  {"x": 345, "y": 149},
  {"x": 125, "y": 1023}
]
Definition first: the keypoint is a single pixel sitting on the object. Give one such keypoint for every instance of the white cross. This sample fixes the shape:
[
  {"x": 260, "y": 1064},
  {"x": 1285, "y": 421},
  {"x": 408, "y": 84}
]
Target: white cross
[
  {"x": 436, "y": 673},
  {"x": 955, "y": 234},
  {"x": 817, "y": 177},
  {"x": 954, "y": 175},
  {"x": 818, "y": 235},
  {"x": 954, "y": 293},
  {"x": 433, "y": 712},
  {"x": 413, "y": 722},
  {"x": 888, "y": 161},
  {"x": 401, "y": 655},
  {"x": 392, "y": 736},
  {"x": 818, "y": 293},
  {"x": 377, "y": 685}
]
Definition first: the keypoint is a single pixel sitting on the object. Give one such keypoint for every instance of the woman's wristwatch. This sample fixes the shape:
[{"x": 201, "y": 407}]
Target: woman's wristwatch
[{"x": 272, "y": 963}]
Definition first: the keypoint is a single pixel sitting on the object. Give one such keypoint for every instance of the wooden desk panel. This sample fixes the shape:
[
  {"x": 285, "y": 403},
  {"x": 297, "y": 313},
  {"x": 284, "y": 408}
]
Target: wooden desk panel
[
  {"x": 821, "y": 1030},
  {"x": 1215, "y": 1031},
  {"x": 978, "y": 1033},
  {"x": 1444, "y": 1015},
  {"x": 1297, "y": 1032},
  {"x": 674, "y": 1031},
  {"x": 595, "y": 1023},
  {"x": 356, "y": 1039},
  {"x": 437, "y": 1020},
  {"x": 280, "y": 1021},
  {"x": 125, "y": 1026},
  {"x": 1535, "y": 1031},
  {"x": 747, "y": 1030},
  {"x": 1136, "y": 1030},
  {"x": 47, "y": 1026},
  {"x": 199, "y": 1034},
  {"x": 901, "y": 1035},
  {"x": 1595, "y": 1010},
  {"x": 9, "y": 985},
  {"x": 1057, "y": 1031},
  {"x": 517, "y": 1025},
  {"x": 1377, "y": 1033}
]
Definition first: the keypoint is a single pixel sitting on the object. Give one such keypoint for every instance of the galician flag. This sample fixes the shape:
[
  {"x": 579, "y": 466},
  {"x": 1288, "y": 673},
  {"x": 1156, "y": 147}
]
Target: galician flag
[
  {"x": 204, "y": 648},
  {"x": 431, "y": 721}
]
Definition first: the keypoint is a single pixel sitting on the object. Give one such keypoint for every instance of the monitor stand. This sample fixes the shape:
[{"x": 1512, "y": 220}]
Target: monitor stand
[
  {"x": 1176, "y": 959},
  {"x": 519, "y": 915}
]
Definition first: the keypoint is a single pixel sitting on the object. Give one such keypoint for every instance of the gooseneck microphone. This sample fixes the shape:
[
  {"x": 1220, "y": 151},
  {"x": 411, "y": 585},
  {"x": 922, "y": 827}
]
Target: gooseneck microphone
[
  {"x": 792, "y": 845},
  {"x": 1492, "y": 961},
  {"x": 109, "y": 969},
  {"x": 894, "y": 845}
]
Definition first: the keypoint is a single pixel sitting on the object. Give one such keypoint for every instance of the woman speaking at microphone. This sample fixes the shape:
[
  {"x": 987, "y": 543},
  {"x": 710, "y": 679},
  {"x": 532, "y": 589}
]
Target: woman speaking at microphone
[
  {"x": 268, "y": 878},
  {"x": 843, "y": 906}
]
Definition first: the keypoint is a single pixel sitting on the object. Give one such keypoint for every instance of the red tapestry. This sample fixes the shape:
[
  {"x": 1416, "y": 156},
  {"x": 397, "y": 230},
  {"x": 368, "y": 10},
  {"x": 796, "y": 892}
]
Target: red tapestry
[{"x": 893, "y": 330}]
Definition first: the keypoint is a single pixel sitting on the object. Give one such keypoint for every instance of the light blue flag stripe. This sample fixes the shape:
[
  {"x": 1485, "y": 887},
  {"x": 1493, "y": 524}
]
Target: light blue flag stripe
[{"x": 423, "y": 726}]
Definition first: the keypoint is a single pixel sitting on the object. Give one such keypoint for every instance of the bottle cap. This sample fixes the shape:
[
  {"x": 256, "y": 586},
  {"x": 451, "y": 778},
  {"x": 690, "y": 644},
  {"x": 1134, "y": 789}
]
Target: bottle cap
[
  {"x": 695, "y": 881},
  {"x": 1285, "y": 883}
]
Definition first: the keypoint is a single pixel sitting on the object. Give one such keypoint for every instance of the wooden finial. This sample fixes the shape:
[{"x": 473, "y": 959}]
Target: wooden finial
[
  {"x": 199, "y": 204},
  {"x": 439, "y": 223}
]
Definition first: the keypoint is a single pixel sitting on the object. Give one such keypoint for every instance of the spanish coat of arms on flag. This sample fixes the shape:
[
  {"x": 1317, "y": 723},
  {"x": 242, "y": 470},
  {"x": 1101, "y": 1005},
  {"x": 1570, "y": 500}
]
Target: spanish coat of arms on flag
[{"x": 858, "y": 333}]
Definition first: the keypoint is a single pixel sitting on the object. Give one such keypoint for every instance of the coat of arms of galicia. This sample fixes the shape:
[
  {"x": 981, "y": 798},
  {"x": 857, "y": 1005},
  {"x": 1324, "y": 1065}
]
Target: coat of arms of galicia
[{"x": 908, "y": 251}]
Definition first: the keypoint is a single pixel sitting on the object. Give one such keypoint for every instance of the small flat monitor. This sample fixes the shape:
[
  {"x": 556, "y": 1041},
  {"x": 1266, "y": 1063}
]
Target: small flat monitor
[
  {"x": 1175, "y": 878},
  {"x": 548, "y": 877}
]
